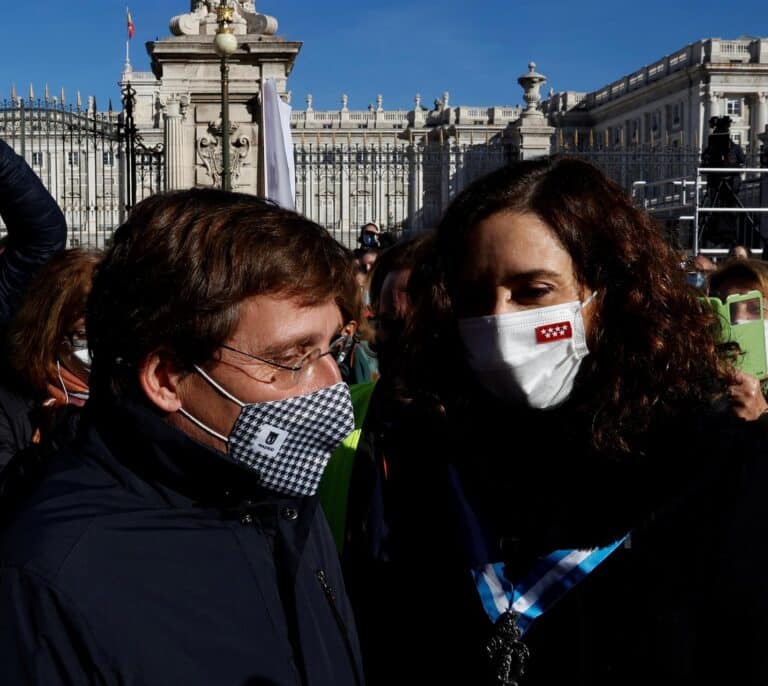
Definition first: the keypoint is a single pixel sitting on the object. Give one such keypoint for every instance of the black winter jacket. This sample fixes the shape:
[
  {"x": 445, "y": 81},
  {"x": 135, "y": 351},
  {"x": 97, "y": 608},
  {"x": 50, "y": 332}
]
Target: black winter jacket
[
  {"x": 37, "y": 230},
  {"x": 36, "y": 227},
  {"x": 142, "y": 557},
  {"x": 684, "y": 602}
]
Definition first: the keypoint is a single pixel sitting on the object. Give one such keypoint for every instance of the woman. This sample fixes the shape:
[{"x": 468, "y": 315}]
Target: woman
[
  {"x": 567, "y": 421},
  {"x": 48, "y": 357}
]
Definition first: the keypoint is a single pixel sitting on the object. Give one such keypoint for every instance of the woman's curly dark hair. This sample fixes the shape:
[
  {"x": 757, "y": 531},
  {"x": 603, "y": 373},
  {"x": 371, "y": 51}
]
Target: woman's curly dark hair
[{"x": 652, "y": 344}]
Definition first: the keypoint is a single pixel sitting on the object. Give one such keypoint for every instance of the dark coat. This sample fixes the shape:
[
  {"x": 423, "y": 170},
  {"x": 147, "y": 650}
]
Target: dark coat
[
  {"x": 685, "y": 602},
  {"x": 16, "y": 420},
  {"x": 143, "y": 557},
  {"x": 36, "y": 228}
]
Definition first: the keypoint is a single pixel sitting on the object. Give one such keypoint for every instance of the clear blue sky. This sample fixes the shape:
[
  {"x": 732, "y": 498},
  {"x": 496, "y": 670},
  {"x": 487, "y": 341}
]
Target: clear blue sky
[{"x": 475, "y": 50}]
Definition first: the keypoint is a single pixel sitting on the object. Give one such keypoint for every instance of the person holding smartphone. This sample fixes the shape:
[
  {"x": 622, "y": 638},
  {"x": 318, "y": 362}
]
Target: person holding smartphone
[{"x": 740, "y": 277}]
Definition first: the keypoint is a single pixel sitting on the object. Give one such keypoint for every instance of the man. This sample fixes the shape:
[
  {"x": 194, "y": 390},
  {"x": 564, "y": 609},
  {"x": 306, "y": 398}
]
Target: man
[
  {"x": 370, "y": 235},
  {"x": 179, "y": 541},
  {"x": 390, "y": 299}
]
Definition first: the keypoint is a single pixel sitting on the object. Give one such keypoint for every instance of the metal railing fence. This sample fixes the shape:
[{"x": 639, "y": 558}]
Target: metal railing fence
[{"x": 81, "y": 155}]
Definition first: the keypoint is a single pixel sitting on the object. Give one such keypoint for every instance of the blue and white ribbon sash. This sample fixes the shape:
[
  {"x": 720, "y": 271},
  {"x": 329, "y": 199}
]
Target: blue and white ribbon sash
[{"x": 549, "y": 580}]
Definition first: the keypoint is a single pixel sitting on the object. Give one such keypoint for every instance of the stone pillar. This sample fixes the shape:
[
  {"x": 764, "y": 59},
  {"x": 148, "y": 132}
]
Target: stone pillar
[
  {"x": 446, "y": 171},
  {"x": 346, "y": 171},
  {"x": 761, "y": 104},
  {"x": 415, "y": 187},
  {"x": 379, "y": 175},
  {"x": 344, "y": 113},
  {"x": 174, "y": 142},
  {"x": 531, "y": 134},
  {"x": 718, "y": 108},
  {"x": 419, "y": 115},
  {"x": 185, "y": 64},
  {"x": 711, "y": 109},
  {"x": 763, "y": 139}
]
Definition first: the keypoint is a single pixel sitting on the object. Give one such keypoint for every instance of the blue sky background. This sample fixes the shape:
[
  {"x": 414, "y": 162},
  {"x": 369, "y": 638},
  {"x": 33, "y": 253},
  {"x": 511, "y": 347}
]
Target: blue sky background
[{"x": 476, "y": 50}]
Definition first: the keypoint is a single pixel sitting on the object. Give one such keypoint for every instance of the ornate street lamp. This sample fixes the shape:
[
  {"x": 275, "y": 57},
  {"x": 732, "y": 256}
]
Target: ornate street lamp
[{"x": 225, "y": 44}]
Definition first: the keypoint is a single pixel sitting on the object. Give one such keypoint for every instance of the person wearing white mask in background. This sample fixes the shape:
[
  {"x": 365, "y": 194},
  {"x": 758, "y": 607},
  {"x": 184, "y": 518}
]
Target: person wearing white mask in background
[
  {"x": 45, "y": 380},
  {"x": 740, "y": 276},
  {"x": 567, "y": 492}
]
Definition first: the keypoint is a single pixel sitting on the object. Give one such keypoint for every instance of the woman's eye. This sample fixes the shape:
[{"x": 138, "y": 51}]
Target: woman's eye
[{"x": 530, "y": 293}]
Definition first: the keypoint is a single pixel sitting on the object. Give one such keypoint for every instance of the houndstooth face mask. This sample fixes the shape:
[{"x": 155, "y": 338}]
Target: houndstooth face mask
[{"x": 287, "y": 442}]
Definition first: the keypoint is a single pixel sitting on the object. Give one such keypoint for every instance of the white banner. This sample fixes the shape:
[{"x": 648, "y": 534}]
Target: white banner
[{"x": 277, "y": 150}]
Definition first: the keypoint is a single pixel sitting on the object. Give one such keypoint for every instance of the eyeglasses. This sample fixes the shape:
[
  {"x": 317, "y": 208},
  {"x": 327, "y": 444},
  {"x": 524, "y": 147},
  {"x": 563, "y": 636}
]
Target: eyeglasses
[{"x": 286, "y": 374}]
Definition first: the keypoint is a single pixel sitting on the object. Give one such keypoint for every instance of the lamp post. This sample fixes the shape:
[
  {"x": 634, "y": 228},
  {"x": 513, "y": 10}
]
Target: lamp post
[{"x": 225, "y": 45}]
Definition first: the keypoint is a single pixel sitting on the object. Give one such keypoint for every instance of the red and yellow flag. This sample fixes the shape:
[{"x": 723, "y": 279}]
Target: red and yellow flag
[{"x": 131, "y": 26}]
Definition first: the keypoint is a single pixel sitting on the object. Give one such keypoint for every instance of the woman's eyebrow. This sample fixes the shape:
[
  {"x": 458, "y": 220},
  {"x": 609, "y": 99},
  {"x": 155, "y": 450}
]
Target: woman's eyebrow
[{"x": 534, "y": 274}]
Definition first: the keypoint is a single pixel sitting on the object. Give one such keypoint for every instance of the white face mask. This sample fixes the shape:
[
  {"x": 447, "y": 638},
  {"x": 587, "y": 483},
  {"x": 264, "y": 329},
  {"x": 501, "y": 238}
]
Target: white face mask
[
  {"x": 84, "y": 355},
  {"x": 531, "y": 356}
]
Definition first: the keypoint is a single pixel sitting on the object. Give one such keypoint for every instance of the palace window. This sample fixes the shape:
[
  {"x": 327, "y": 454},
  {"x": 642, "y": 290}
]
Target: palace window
[
  {"x": 734, "y": 107},
  {"x": 73, "y": 159},
  {"x": 37, "y": 159},
  {"x": 109, "y": 158}
]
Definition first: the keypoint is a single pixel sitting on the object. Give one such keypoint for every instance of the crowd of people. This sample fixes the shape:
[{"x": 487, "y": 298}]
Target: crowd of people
[{"x": 518, "y": 449}]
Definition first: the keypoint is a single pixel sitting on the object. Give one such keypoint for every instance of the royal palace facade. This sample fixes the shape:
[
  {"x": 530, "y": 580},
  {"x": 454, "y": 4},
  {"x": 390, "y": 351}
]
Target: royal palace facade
[{"x": 397, "y": 168}]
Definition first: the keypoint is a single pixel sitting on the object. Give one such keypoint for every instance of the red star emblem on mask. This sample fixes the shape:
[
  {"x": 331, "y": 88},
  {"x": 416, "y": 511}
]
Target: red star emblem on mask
[{"x": 553, "y": 332}]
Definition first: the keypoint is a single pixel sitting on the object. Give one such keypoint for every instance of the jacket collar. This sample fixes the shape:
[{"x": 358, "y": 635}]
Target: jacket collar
[{"x": 133, "y": 440}]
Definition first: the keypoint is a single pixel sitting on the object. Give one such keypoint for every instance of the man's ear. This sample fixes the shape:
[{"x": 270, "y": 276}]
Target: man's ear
[
  {"x": 350, "y": 328},
  {"x": 160, "y": 379}
]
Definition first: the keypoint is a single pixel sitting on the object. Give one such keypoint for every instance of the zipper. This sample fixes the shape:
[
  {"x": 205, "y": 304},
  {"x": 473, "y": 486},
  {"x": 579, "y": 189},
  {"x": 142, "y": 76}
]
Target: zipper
[{"x": 330, "y": 596}]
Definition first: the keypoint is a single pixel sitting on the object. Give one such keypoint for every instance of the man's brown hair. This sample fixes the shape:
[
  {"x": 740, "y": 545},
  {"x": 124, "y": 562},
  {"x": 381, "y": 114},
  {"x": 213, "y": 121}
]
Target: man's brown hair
[{"x": 182, "y": 264}]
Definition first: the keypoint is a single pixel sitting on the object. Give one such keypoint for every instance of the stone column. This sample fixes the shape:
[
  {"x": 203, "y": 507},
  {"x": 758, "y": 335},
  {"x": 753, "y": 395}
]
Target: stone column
[
  {"x": 718, "y": 104},
  {"x": 663, "y": 136},
  {"x": 761, "y": 119},
  {"x": 419, "y": 116},
  {"x": 531, "y": 133},
  {"x": 174, "y": 109},
  {"x": 185, "y": 64},
  {"x": 762, "y": 137},
  {"x": 344, "y": 113},
  {"x": 346, "y": 153},
  {"x": 711, "y": 109},
  {"x": 416, "y": 186}
]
